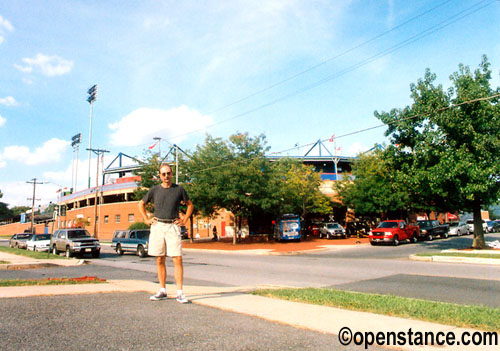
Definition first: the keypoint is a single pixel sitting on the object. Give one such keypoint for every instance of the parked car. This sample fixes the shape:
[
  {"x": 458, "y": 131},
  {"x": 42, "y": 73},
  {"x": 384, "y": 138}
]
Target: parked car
[
  {"x": 74, "y": 241},
  {"x": 39, "y": 242},
  {"x": 429, "y": 229},
  {"x": 393, "y": 232},
  {"x": 458, "y": 228},
  {"x": 470, "y": 223},
  {"x": 135, "y": 240},
  {"x": 331, "y": 230},
  {"x": 493, "y": 226},
  {"x": 18, "y": 241},
  {"x": 184, "y": 233}
]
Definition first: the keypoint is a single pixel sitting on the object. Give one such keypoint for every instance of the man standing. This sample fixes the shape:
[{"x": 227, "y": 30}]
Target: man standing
[{"x": 165, "y": 238}]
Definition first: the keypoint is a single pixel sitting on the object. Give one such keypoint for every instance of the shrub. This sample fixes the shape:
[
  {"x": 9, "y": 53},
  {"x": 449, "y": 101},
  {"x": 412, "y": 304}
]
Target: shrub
[{"x": 138, "y": 225}]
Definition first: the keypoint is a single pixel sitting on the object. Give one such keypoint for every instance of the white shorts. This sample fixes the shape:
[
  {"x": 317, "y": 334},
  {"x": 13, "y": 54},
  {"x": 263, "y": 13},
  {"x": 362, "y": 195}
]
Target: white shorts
[{"x": 165, "y": 236}]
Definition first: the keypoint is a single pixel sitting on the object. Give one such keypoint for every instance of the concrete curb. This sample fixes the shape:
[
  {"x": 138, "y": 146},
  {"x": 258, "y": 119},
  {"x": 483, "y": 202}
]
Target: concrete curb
[{"x": 452, "y": 259}]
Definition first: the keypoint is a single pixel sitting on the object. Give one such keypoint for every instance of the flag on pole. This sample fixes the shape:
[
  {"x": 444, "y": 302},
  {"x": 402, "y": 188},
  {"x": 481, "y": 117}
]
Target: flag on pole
[
  {"x": 332, "y": 138},
  {"x": 152, "y": 146}
]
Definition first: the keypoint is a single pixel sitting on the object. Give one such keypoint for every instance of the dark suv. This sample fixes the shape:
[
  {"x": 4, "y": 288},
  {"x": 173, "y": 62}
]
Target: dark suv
[{"x": 74, "y": 241}]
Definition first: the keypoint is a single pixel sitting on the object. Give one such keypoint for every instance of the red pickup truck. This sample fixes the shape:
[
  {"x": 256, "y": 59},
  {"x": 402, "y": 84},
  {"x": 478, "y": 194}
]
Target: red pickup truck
[{"x": 393, "y": 232}]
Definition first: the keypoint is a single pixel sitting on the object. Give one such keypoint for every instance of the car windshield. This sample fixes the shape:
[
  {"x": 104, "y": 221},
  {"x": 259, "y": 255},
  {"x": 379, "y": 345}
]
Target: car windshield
[
  {"x": 143, "y": 234},
  {"x": 42, "y": 237},
  {"x": 78, "y": 234},
  {"x": 333, "y": 226},
  {"x": 388, "y": 225},
  {"x": 424, "y": 223},
  {"x": 24, "y": 236}
]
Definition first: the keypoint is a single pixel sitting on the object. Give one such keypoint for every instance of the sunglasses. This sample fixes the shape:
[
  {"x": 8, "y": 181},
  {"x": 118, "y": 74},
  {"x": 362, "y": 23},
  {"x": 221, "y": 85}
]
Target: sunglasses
[{"x": 166, "y": 174}]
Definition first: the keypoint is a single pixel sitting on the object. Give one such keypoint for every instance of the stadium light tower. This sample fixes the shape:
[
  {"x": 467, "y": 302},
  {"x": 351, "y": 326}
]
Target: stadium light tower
[{"x": 91, "y": 99}]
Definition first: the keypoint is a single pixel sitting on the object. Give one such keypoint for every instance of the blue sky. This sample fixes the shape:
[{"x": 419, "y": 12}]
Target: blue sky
[{"x": 296, "y": 71}]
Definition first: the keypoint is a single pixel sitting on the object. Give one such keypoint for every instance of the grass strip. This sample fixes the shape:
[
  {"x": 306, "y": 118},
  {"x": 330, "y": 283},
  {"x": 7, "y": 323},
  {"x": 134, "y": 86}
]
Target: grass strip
[
  {"x": 32, "y": 254},
  {"x": 459, "y": 254},
  {"x": 4, "y": 262},
  {"x": 51, "y": 281},
  {"x": 480, "y": 317}
]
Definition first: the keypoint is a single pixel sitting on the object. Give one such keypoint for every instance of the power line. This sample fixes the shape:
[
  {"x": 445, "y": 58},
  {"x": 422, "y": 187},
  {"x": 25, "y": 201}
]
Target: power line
[
  {"x": 443, "y": 24},
  {"x": 298, "y": 74},
  {"x": 359, "y": 131}
]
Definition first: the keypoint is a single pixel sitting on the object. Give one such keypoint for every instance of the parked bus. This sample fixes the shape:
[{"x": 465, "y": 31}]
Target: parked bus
[{"x": 288, "y": 227}]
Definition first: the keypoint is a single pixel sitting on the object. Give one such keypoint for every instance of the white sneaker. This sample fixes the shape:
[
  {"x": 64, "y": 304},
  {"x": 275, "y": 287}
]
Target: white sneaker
[
  {"x": 159, "y": 296},
  {"x": 182, "y": 299}
]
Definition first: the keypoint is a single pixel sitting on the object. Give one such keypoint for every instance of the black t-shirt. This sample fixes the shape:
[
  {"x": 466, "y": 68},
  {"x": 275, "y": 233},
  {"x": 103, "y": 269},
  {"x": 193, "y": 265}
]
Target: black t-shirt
[{"x": 166, "y": 200}]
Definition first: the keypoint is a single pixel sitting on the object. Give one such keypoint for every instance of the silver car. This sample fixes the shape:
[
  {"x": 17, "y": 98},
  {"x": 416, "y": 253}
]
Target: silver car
[
  {"x": 332, "y": 230},
  {"x": 458, "y": 228}
]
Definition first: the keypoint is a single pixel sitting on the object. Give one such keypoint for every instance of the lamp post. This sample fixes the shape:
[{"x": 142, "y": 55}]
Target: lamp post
[{"x": 91, "y": 99}]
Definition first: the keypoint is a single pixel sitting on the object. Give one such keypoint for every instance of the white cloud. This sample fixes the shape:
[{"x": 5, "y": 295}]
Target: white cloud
[
  {"x": 5, "y": 26},
  {"x": 142, "y": 125},
  {"x": 47, "y": 65},
  {"x": 8, "y": 101},
  {"x": 2, "y": 122},
  {"x": 356, "y": 148},
  {"x": 17, "y": 193},
  {"x": 50, "y": 151}
]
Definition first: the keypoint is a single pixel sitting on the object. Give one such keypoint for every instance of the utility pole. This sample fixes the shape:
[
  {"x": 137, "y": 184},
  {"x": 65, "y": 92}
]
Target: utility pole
[
  {"x": 34, "y": 182},
  {"x": 91, "y": 99},
  {"x": 176, "y": 164},
  {"x": 98, "y": 152}
]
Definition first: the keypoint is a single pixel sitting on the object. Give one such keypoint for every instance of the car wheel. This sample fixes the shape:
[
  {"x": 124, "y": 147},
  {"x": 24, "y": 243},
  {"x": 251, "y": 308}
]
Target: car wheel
[
  {"x": 34, "y": 249},
  {"x": 96, "y": 254},
  {"x": 459, "y": 233},
  {"x": 54, "y": 250},
  {"x": 445, "y": 235},
  {"x": 372, "y": 243},
  {"x": 68, "y": 252},
  {"x": 430, "y": 237},
  {"x": 396, "y": 240},
  {"x": 140, "y": 251},
  {"x": 119, "y": 249},
  {"x": 17, "y": 246}
]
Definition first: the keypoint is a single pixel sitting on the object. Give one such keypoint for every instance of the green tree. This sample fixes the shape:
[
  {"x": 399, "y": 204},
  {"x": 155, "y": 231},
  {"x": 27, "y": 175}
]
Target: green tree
[
  {"x": 149, "y": 175},
  {"x": 295, "y": 188},
  {"x": 230, "y": 175},
  {"x": 448, "y": 142},
  {"x": 17, "y": 210},
  {"x": 5, "y": 212},
  {"x": 375, "y": 189}
]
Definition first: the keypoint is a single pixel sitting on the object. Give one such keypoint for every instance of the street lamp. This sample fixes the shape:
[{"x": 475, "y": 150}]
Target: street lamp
[{"x": 91, "y": 99}]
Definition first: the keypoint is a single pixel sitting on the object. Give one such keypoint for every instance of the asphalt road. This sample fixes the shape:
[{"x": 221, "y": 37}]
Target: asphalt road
[
  {"x": 129, "y": 321},
  {"x": 380, "y": 269}
]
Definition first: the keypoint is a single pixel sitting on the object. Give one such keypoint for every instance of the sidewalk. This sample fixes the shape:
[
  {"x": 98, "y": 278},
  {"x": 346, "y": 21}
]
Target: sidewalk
[
  {"x": 24, "y": 262},
  {"x": 239, "y": 300},
  {"x": 259, "y": 246}
]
